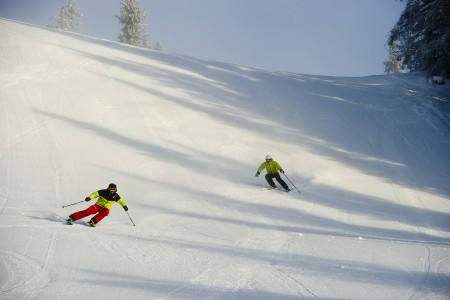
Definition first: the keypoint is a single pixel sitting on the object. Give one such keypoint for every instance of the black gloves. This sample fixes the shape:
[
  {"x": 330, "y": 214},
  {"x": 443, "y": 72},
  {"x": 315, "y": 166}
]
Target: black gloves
[
  {"x": 87, "y": 199},
  {"x": 282, "y": 171},
  {"x": 125, "y": 208},
  {"x": 257, "y": 174}
]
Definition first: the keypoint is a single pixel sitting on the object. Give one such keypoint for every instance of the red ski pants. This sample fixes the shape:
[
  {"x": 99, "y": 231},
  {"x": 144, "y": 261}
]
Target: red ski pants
[{"x": 93, "y": 209}]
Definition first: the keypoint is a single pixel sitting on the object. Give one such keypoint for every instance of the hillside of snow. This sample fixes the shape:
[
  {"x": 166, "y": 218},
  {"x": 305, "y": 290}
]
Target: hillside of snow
[{"x": 182, "y": 138}]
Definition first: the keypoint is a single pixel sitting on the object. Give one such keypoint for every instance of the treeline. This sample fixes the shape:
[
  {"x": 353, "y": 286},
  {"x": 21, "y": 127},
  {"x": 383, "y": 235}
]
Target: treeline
[
  {"x": 420, "y": 40},
  {"x": 132, "y": 17}
]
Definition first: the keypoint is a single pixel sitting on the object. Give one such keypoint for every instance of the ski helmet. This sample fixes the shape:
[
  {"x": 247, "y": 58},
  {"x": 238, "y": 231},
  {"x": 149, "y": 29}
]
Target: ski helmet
[
  {"x": 268, "y": 157},
  {"x": 112, "y": 186}
]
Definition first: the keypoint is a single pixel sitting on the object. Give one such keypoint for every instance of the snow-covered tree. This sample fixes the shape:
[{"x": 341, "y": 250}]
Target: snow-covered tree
[
  {"x": 134, "y": 30},
  {"x": 422, "y": 35},
  {"x": 69, "y": 18},
  {"x": 394, "y": 65},
  {"x": 145, "y": 37},
  {"x": 158, "y": 46}
]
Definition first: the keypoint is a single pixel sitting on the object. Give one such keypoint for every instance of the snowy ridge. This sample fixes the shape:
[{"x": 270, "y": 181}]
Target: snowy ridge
[{"x": 182, "y": 139}]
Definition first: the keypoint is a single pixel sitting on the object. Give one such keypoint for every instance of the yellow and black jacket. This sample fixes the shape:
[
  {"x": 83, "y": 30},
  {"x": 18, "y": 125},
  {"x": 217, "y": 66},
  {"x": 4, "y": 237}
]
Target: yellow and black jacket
[{"x": 106, "y": 199}]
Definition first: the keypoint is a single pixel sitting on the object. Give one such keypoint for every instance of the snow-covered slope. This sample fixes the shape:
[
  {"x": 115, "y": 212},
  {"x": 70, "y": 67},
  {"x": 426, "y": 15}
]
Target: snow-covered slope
[{"x": 182, "y": 139}]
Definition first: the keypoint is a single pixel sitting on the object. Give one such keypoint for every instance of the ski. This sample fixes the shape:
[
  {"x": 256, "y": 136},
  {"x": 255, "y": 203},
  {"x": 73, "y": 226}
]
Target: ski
[
  {"x": 276, "y": 188},
  {"x": 268, "y": 188},
  {"x": 71, "y": 222}
]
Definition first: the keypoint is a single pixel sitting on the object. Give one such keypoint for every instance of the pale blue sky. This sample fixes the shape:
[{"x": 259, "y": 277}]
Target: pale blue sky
[{"x": 322, "y": 37}]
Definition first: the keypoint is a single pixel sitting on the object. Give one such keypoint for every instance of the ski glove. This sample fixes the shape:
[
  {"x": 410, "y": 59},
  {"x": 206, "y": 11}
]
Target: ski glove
[
  {"x": 125, "y": 208},
  {"x": 87, "y": 199},
  {"x": 257, "y": 174},
  {"x": 282, "y": 171}
]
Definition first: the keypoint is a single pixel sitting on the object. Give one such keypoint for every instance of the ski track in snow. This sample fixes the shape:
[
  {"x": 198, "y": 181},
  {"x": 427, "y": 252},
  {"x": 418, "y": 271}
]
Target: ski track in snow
[{"x": 21, "y": 276}]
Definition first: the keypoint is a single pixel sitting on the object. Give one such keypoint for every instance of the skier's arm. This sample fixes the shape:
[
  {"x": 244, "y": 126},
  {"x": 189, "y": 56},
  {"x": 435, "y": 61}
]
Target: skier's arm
[
  {"x": 261, "y": 167},
  {"x": 279, "y": 167},
  {"x": 123, "y": 204},
  {"x": 92, "y": 196}
]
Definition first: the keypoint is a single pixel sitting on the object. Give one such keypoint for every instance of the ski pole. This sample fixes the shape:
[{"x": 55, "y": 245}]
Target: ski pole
[
  {"x": 73, "y": 203},
  {"x": 292, "y": 183},
  {"x": 130, "y": 218}
]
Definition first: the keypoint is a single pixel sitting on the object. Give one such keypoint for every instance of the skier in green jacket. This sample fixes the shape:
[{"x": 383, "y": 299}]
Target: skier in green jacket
[{"x": 272, "y": 168}]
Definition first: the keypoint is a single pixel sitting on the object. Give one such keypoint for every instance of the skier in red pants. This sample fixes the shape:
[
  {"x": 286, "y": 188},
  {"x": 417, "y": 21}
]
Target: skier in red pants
[{"x": 106, "y": 199}]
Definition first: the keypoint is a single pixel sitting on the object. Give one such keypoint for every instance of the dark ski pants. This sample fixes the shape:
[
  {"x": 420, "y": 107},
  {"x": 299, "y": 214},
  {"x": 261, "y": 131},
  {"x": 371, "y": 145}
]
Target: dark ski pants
[
  {"x": 271, "y": 176},
  {"x": 93, "y": 209}
]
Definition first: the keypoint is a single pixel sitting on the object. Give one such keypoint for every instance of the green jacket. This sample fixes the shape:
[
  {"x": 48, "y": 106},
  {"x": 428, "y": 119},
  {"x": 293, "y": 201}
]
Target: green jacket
[{"x": 271, "y": 167}]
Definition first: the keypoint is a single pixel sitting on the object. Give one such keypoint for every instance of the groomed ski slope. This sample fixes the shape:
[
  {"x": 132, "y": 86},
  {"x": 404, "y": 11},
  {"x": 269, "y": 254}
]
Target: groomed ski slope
[{"x": 182, "y": 139}]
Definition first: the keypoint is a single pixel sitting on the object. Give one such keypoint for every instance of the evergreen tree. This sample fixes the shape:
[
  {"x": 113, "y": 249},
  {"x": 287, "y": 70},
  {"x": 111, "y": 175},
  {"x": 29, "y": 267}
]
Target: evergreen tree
[
  {"x": 69, "y": 17},
  {"x": 394, "y": 65},
  {"x": 134, "y": 30},
  {"x": 158, "y": 46},
  {"x": 422, "y": 35},
  {"x": 145, "y": 37}
]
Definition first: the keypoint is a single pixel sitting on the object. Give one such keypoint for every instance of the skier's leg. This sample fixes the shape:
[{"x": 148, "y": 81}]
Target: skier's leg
[
  {"x": 101, "y": 214},
  {"x": 84, "y": 213},
  {"x": 270, "y": 180},
  {"x": 281, "y": 181}
]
